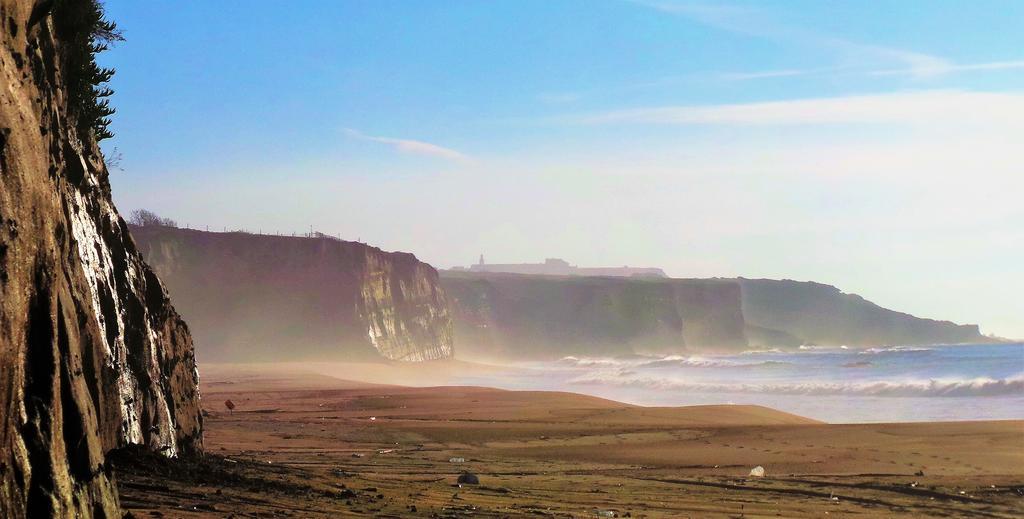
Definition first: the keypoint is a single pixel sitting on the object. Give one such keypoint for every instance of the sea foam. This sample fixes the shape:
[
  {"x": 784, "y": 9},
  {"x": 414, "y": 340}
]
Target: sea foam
[{"x": 973, "y": 387}]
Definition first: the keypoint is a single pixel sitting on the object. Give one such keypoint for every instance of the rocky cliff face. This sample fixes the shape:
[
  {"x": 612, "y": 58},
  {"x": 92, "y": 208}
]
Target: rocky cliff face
[
  {"x": 537, "y": 317},
  {"x": 92, "y": 355},
  {"x": 259, "y": 297},
  {"x": 790, "y": 313}
]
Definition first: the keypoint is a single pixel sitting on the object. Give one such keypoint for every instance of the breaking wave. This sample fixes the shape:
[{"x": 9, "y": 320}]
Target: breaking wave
[
  {"x": 587, "y": 362},
  {"x": 670, "y": 361},
  {"x": 810, "y": 347},
  {"x": 981, "y": 386},
  {"x": 681, "y": 361},
  {"x": 894, "y": 349}
]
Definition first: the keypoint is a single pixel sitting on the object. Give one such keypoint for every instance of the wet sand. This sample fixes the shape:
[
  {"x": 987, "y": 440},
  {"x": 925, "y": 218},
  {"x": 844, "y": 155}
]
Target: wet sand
[{"x": 301, "y": 444}]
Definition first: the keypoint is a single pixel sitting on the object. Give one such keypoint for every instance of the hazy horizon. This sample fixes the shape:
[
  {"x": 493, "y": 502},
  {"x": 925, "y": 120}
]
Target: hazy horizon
[{"x": 870, "y": 147}]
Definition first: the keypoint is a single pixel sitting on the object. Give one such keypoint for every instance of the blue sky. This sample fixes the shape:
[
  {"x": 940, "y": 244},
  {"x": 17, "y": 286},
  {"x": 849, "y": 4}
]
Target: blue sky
[{"x": 870, "y": 145}]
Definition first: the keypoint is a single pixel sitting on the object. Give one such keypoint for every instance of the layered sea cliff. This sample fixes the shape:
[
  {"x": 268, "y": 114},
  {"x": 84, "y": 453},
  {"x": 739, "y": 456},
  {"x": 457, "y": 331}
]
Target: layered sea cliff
[{"x": 252, "y": 297}]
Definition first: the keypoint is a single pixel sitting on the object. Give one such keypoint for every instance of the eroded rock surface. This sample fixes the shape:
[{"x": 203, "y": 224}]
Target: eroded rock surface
[{"x": 92, "y": 355}]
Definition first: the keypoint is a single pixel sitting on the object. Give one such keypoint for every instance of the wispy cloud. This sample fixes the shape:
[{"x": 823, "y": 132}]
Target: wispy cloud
[
  {"x": 856, "y": 56},
  {"x": 410, "y": 146},
  {"x": 950, "y": 68},
  {"x": 921, "y": 107},
  {"x": 916, "y": 64},
  {"x": 729, "y": 17}
]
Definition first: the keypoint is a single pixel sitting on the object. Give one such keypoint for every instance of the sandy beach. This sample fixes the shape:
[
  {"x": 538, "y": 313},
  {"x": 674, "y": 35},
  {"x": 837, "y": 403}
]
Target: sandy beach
[{"x": 302, "y": 444}]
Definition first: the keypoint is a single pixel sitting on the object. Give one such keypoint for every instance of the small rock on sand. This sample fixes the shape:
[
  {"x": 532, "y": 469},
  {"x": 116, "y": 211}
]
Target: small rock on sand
[
  {"x": 468, "y": 479},
  {"x": 757, "y": 472}
]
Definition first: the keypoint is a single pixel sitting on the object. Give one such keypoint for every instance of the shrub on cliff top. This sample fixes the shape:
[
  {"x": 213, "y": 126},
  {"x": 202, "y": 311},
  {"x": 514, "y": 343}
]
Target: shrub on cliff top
[
  {"x": 142, "y": 218},
  {"x": 85, "y": 31}
]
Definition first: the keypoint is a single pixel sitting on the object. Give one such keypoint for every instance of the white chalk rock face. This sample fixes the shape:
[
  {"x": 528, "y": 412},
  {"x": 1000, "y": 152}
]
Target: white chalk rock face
[{"x": 93, "y": 357}]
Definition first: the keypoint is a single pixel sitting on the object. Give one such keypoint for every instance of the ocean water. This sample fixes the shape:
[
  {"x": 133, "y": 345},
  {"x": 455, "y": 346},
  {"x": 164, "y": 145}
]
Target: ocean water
[{"x": 839, "y": 385}]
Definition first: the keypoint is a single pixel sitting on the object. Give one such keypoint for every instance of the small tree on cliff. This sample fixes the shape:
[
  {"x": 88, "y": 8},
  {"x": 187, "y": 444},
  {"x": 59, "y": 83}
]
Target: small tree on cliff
[{"x": 82, "y": 25}]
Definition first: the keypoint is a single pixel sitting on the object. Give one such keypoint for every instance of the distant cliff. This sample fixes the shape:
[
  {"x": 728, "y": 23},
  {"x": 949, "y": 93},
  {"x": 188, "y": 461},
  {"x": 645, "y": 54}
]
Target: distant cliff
[
  {"x": 790, "y": 313},
  {"x": 92, "y": 354},
  {"x": 250, "y": 297},
  {"x": 535, "y": 317},
  {"x": 499, "y": 315}
]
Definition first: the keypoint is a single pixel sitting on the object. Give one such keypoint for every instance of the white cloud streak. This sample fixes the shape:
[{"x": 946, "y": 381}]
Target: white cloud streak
[
  {"x": 944, "y": 68},
  {"x": 875, "y": 60},
  {"x": 921, "y": 68},
  {"x": 919, "y": 108},
  {"x": 413, "y": 147},
  {"x": 915, "y": 64}
]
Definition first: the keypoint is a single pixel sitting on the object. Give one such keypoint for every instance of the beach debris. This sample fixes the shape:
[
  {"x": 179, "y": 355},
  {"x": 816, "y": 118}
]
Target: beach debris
[
  {"x": 385, "y": 451},
  {"x": 456, "y": 460},
  {"x": 467, "y": 478},
  {"x": 357, "y": 455},
  {"x": 373, "y": 418},
  {"x": 230, "y": 405},
  {"x": 919, "y": 473},
  {"x": 757, "y": 472},
  {"x": 832, "y": 497},
  {"x": 604, "y": 513}
]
